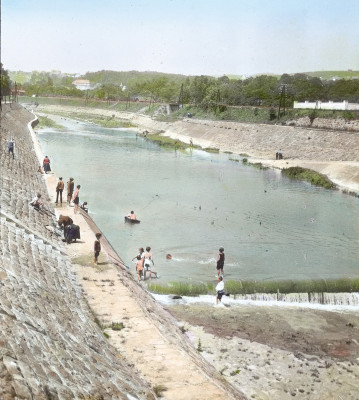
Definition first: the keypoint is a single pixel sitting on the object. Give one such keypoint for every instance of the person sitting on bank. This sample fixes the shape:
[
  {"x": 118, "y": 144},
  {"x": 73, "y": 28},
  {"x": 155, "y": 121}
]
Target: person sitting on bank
[
  {"x": 40, "y": 170},
  {"x": 132, "y": 215},
  {"x": 36, "y": 202},
  {"x": 84, "y": 207}
]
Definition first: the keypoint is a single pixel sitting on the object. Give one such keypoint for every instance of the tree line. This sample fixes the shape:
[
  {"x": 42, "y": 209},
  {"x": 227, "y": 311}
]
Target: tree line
[{"x": 204, "y": 91}]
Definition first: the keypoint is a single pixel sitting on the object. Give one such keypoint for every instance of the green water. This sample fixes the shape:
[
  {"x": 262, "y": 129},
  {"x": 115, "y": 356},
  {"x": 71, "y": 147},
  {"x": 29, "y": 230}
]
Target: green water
[{"x": 190, "y": 203}]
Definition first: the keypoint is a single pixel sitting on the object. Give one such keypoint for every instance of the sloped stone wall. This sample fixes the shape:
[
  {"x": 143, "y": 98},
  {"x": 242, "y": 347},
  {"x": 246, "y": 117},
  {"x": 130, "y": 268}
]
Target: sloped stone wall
[{"x": 50, "y": 348}]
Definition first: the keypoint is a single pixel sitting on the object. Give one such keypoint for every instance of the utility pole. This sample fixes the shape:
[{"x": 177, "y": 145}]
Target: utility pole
[
  {"x": 282, "y": 100},
  {"x": 180, "y": 98}
]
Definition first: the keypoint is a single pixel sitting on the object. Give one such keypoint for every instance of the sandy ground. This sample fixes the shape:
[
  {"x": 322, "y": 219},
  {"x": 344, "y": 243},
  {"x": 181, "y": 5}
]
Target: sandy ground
[
  {"x": 276, "y": 352},
  {"x": 267, "y": 353}
]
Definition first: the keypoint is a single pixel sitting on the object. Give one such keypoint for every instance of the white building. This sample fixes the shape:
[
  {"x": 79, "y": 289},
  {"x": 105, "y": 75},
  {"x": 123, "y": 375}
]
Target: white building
[
  {"x": 82, "y": 84},
  {"x": 330, "y": 105}
]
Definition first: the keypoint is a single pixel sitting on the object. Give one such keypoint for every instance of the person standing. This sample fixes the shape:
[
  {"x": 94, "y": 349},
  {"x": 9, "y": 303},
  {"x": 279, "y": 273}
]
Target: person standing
[
  {"x": 148, "y": 261},
  {"x": 220, "y": 261},
  {"x": 139, "y": 267},
  {"x": 59, "y": 190},
  {"x": 11, "y": 147},
  {"x": 219, "y": 289},
  {"x": 76, "y": 198},
  {"x": 70, "y": 189},
  {"x": 97, "y": 247},
  {"x": 46, "y": 164}
]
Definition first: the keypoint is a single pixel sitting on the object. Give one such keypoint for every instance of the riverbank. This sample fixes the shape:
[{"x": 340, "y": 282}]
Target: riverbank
[
  {"x": 140, "y": 329},
  {"x": 334, "y": 153}
]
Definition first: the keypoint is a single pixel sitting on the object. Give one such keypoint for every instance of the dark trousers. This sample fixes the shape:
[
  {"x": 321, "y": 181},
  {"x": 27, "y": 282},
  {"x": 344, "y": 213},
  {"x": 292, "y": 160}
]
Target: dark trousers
[
  {"x": 57, "y": 195},
  {"x": 11, "y": 150}
]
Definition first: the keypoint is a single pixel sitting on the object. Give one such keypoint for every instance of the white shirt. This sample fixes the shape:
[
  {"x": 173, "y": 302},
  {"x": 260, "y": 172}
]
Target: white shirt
[{"x": 220, "y": 286}]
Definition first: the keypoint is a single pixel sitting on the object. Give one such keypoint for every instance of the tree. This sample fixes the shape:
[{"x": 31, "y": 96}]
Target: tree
[{"x": 5, "y": 83}]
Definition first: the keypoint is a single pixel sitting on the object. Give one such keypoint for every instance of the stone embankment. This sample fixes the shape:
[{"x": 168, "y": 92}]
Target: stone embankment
[{"x": 50, "y": 348}]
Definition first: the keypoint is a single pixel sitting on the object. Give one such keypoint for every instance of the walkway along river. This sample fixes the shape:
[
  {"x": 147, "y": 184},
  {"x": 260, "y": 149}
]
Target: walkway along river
[{"x": 190, "y": 203}]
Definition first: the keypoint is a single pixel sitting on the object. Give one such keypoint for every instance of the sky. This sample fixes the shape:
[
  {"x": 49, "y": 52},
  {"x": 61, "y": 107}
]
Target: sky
[{"x": 190, "y": 37}]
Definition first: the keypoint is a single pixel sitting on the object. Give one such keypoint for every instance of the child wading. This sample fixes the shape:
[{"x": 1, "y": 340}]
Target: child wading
[
  {"x": 97, "y": 247},
  {"x": 219, "y": 289},
  {"x": 139, "y": 267}
]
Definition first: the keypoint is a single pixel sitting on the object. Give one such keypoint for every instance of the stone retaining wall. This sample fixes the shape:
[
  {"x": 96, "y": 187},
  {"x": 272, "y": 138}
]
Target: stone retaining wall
[{"x": 50, "y": 348}]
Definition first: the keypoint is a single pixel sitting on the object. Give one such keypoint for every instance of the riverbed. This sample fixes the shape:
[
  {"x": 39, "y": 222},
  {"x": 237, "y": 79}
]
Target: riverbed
[{"x": 192, "y": 202}]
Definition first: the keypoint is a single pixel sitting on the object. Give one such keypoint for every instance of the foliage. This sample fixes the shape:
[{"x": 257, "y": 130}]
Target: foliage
[
  {"x": 308, "y": 175},
  {"x": 158, "y": 389},
  {"x": 209, "y": 94},
  {"x": 5, "y": 82},
  {"x": 117, "y": 326},
  {"x": 45, "y": 122},
  {"x": 181, "y": 288},
  {"x": 290, "y": 286},
  {"x": 344, "y": 285}
]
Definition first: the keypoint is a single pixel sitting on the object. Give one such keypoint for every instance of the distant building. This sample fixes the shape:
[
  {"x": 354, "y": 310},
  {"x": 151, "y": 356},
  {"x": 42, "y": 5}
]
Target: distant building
[
  {"x": 330, "y": 105},
  {"x": 82, "y": 84}
]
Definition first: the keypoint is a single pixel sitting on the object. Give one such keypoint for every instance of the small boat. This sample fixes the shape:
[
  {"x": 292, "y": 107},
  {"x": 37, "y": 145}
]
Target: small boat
[{"x": 132, "y": 221}]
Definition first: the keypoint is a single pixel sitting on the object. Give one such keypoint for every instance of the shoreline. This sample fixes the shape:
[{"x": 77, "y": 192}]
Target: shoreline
[
  {"x": 265, "y": 366},
  {"x": 149, "y": 337},
  {"x": 333, "y": 153}
]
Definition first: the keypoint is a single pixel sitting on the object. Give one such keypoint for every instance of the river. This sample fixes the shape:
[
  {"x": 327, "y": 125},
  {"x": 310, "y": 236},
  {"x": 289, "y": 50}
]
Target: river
[{"x": 192, "y": 202}]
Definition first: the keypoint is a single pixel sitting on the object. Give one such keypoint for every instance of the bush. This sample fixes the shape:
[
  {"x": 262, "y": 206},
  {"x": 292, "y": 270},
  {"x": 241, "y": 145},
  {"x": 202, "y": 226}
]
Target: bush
[{"x": 308, "y": 175}]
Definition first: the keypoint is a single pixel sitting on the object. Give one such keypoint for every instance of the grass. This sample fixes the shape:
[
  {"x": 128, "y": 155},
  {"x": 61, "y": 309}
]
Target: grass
[
  {"x": 45, "y": 122},
  {"x": 293, "y": 286},
  {"x": 117, "y": 326},
  {"x": 168, "y": 142},
  {"x": 211, "y": 150},
  {"x": 308, "y": 175},
  {"x": 82, "y": 102},
  {"x": 343, "y": 285},
  {"x": 181, "y": 288},
  {"x": 159, "y": 389}
]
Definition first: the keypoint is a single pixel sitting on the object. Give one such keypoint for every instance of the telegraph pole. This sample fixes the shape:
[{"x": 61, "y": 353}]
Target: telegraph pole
[
  {"x": 180, "y": 98},
  {"x": 282, "y": 100}
]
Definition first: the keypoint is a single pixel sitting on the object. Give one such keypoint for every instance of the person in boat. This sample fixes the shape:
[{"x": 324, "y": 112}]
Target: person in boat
[
  {"x": 148, "y": 261},
  {"x": 219, "y": 289},
  {"x": 132, "y": 215},
  {"x": 220, "y": 261}
]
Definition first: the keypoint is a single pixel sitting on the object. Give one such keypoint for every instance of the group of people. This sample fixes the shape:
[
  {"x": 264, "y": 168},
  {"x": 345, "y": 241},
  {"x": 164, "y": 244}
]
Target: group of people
[
  {"x": 144, "y": 263},
  {"x": 72, "y": 194}
]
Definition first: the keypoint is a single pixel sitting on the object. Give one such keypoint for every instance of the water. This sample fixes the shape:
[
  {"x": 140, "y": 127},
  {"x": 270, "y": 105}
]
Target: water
[{"x": 190, "y": 203}]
